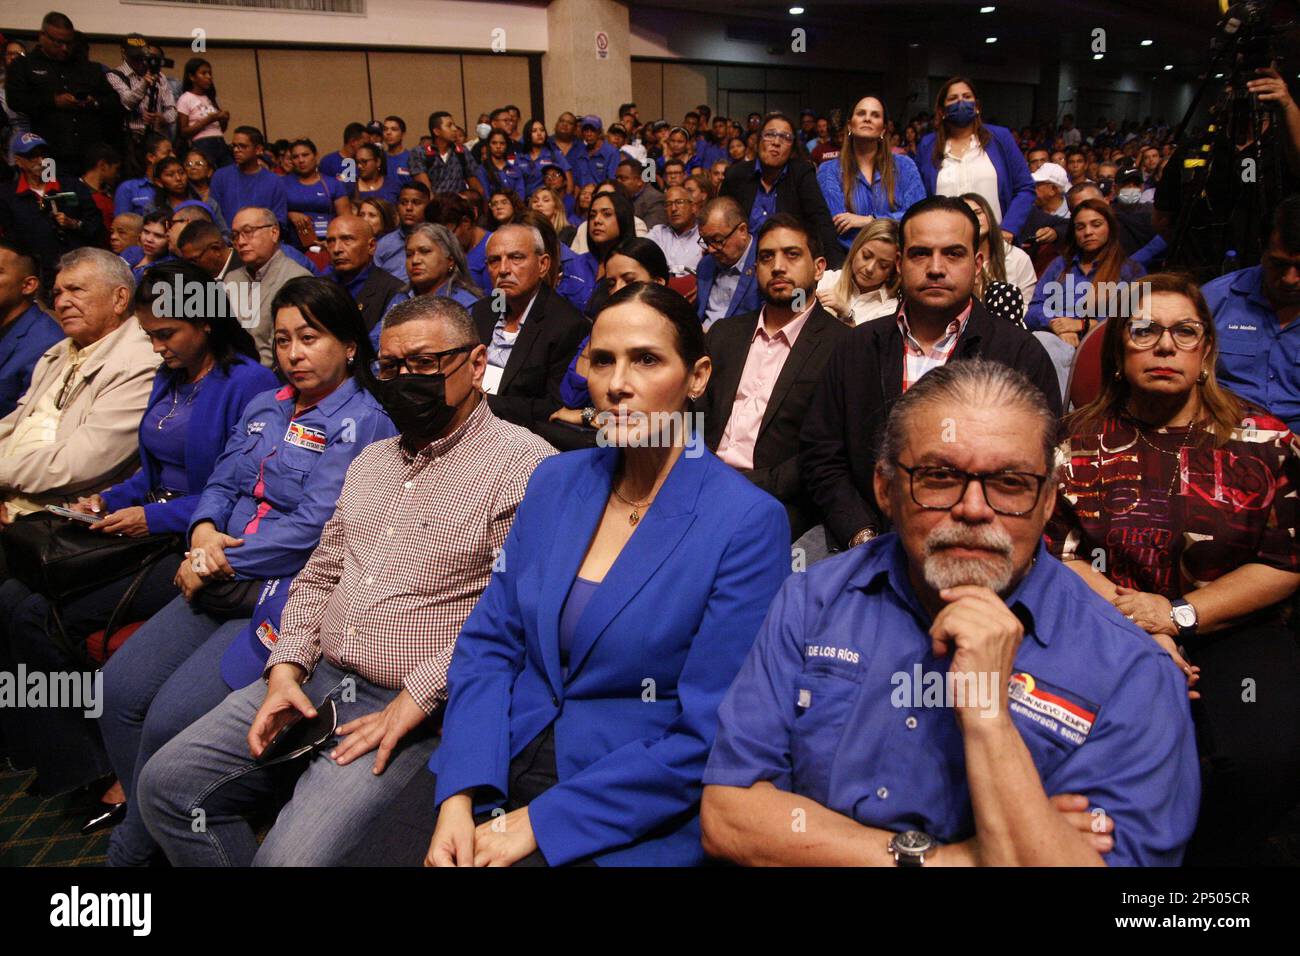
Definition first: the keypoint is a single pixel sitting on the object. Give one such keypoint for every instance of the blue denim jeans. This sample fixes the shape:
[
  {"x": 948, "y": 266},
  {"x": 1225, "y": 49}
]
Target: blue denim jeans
[
  {"x": 207, "y": 768},
  {"x": 160, "y": 681}
]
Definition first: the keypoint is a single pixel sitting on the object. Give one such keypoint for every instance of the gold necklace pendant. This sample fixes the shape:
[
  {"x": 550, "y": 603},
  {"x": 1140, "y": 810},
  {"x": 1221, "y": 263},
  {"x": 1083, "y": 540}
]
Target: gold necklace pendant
[{"x": 633, "y": 518}]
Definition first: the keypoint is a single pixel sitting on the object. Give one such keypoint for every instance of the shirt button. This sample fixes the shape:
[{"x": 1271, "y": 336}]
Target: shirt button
[
  {"x": 371, "y": 580},
  {"x": 911, "y": 723},
  {"x": 882, "y": 793},
  {"x": 555, "y": 701},
  {"x": 352, "y": 632},
  {"x": 407, "y": 485}
]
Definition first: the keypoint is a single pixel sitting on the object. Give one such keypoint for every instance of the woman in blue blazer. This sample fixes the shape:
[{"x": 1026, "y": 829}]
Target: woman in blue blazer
[
  {"x": 959, "y": 129},
  {"x": 209, "y": 373},
  {"x": 585, "y": 685}
]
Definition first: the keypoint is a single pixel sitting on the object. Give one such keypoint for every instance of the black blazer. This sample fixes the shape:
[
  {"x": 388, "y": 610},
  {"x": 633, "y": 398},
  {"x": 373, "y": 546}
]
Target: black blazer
[
  {"x": 376, "y": 292},
  {"x": 776, "y": 453},
  {"x": 547, "y": 343},
  {"x": 797, "y": 193},
  {"x": 837, "y": 446}
]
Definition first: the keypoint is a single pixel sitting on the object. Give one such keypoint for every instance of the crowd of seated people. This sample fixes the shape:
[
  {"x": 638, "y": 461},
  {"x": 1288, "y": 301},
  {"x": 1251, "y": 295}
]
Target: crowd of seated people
[{"x": 602, "y": 494}]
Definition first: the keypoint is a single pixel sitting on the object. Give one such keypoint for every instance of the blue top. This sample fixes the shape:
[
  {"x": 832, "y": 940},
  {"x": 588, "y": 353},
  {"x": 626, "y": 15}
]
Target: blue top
[
  {"x": 832, "y": 704},
  {"x": 871, "y": 200},
  {"x": 398, "y": 166},
  {"x": 297, "y": 256},
  {"x": 476, "y": 259},
  {"x": 331, "y": 164},
  {"x": 235, "y": 191},
  {"x": 1256, "y": 359},
  {"x": 30, "y": 336},
  {"x": 162, "y": 434},
  {"x": 134, "y": 195},
  {"x": 217, "y": 408},
  {"x": 390, "y": 253},
  {"x": 285, "y": 474},
  {"x": 764, "y": 198},
  {"x": 580, "y": 596},
  {"x": 1061, "y": 293},
  {"x": 652, "y": 655},
  {"x": 595, "y": 167},
  {"x": 532, "y": 168},
  {"x": 512, "y": 177},
  {"x": 315, "y": 200},
  {"x": 141, "y": 267},
  {"x": 1015, "y": 184},
  {"x": 573, "y": 387},
  {"x": 577, "y": 277},
  {"x": 131, "y": 255},
  {"x": 389, "y": 190}
]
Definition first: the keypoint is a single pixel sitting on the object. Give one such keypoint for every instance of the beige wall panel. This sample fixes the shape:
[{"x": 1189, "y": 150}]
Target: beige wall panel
[
  {"x": 495, "y": 80},
  {"x": 312, "y": 93},
  {"x": 648, "y": 89},
  {"x": 413, "y": 85},
  {"x": 234, "y": 72},
  {"x": 686, "y": 86}
]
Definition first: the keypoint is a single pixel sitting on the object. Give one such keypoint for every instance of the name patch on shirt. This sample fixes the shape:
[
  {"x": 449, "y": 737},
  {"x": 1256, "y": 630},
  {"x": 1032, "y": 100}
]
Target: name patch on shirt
[
  {"x": 267, "y": 634},
  {"x": 255, "y": 428},
  {"x": 834, "y": 653},
  {"x": 1048, "y": 707},
  {"x": 304, "y": 436},
  {"x": 1241, "y": 327}
]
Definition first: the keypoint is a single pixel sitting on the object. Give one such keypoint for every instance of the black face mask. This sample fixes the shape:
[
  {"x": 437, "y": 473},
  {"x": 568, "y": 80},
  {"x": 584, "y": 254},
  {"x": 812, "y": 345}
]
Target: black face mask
[{"x": 417, "y": 404}]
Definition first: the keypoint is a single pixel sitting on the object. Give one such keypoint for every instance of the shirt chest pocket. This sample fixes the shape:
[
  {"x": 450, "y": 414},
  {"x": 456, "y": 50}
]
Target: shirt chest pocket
[
  {"x": 823, "y": 703},
  {"x": 1241, "y": 344}
]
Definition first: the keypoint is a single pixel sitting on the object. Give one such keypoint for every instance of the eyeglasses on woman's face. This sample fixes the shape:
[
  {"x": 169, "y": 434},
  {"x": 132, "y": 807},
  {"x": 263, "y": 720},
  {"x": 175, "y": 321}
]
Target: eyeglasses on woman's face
[{"x": 1143, "y": 334}]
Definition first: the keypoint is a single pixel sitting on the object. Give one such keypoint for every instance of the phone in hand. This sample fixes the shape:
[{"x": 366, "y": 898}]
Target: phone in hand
[
  {"x": 74, "y": 515},
  {"x": 301, "y": 736}
]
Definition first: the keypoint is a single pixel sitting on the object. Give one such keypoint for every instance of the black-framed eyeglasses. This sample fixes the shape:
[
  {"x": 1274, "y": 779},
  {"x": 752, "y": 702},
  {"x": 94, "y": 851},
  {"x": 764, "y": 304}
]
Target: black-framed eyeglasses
[
  {"x": 1143, "y": 334},
  {"x": 708, "y": 245},
  {"x": 939, "y": 488},
  {"x": 248, "y": 232},
  {"x": 425, "y": 363}
]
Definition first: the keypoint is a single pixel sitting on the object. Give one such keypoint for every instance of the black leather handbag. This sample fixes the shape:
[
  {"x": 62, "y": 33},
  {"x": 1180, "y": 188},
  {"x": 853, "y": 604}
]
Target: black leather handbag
[{"x": 63, "y": 559}]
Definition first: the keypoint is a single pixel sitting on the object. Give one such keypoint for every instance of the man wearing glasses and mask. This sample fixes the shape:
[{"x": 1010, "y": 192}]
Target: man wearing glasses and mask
[
  {"x": 950, "y": 694},
  {"x": 782, "y": 179},
  {"x": 443, "y": 495}
]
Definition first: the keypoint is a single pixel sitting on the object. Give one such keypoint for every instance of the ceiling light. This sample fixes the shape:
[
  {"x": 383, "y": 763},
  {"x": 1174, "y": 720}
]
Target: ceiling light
[
  {"x": 1098, "y": 56},
  {"x": 987, "y": 9},
  {"x": 1169, "y": 66},
  {"x": 1147, "y": 42},
  {"x": 990, "y": 39},
  {"x": 796, "y": 10}
]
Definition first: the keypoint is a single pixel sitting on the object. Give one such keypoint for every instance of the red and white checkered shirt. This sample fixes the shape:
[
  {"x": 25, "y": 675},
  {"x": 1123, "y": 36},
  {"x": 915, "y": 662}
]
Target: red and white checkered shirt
[
  {"x": 917, "y": 359},
  {"x": 406, "y": 555}
]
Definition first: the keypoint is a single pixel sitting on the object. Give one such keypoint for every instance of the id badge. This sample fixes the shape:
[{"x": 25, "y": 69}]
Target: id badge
[{"x": 492, "y": 379}]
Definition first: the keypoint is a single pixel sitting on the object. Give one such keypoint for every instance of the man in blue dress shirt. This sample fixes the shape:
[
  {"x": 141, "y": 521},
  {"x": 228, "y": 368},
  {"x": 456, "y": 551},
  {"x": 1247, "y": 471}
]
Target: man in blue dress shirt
[
  {"x": 949, "y": 694},
  {"x": 26, "y": 331},
  {"x": 1254, "y": 309}
]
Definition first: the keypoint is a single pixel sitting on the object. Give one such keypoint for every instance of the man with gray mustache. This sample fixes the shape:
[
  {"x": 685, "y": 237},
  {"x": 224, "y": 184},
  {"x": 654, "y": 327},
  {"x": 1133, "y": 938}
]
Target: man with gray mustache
[{"x": 828, "y": 753}]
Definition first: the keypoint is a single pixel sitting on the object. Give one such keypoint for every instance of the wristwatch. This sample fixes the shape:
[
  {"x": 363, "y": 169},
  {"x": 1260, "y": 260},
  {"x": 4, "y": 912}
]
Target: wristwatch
[
  {"x": 866, "y": 534},
  {"x": 588, "y": 415},
  {"x": 1183, "y": 614},
  {"x": 910, "y": 847}
]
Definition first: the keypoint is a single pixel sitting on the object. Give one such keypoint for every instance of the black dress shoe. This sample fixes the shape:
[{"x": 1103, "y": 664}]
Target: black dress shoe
[{"x": 106, "y": 815}]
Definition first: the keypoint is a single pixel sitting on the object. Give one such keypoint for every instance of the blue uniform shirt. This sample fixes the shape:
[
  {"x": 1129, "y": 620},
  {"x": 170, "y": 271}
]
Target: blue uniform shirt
[
  {"x": 30, "y": 335},
  {"x": 829, "y": 705},
  {"x": 764, "y": 198},
  {"x": 285, "y": 474},
  {"x": 532, "y": 168},
  {"x": 315, "y": 201},
  {"x": 1258, "y": 358},
  {"x": 476, "y": 259},
  {"x": 596, "y": 167},
  {"x": 512, "y": 177},
  {"x": 235, "y": 191},
  {"x": 134, "y": 195}
]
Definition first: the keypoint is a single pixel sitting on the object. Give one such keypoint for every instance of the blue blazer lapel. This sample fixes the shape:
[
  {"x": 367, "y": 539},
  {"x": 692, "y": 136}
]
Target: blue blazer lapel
[
  {"x": 583, "y": 508},
  {"x": 656, "y": 537},
  {"x": 738, "y": 298}
]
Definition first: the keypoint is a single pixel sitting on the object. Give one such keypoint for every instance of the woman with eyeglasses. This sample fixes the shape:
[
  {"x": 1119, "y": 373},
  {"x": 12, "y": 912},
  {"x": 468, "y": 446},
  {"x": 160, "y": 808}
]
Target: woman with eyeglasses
[
  {"x": 966, "y": 155},
  {"x": 373, "y": 181},
  {"x": 311, "y": 198},
  {"x": 435, "y": 265},
  {"x": 198, "y": 170},
  {"x": 1079, "y": 286},
  {"x": 1178, "y": 505},
  {"x": 253, "y": 528}
]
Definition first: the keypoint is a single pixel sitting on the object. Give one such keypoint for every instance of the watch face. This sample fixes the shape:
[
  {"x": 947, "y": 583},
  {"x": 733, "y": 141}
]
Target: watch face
[
  {"x": 913, "y": 841},
  {"x": 1185, "y": 615}
]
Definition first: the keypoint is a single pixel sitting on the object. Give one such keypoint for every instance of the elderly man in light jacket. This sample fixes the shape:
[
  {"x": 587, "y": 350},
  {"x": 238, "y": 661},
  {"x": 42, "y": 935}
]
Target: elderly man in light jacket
[{"x": 75, "y": 429}]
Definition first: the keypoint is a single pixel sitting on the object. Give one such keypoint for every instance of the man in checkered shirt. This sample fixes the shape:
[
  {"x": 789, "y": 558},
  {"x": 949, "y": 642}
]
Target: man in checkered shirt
[{"x": 372, "y": 619}]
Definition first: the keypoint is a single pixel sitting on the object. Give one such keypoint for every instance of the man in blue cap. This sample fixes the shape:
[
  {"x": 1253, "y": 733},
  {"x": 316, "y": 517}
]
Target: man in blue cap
[
  {"x": 600, "y": 159},
  {"x": 52, "y": 215}
]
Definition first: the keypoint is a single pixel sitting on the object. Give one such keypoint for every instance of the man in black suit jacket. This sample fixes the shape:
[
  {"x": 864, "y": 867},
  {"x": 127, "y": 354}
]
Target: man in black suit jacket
[
  {"x": 351, "y": 245},
  {"x": 767, "y": 364},
  {"x": 531, "y": 333},
  {"x": 791, "y": 178},
  {"x": 937, "y": 262}
]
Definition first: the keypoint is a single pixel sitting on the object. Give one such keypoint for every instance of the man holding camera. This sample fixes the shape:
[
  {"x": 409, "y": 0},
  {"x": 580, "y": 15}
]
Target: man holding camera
[{"x": 144, "y": 93}]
